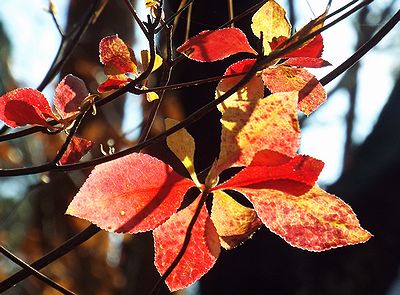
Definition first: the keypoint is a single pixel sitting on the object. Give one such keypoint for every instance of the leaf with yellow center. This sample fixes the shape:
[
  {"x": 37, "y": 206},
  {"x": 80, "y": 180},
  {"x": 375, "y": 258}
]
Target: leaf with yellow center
[
  {"x": 271, "y": 20},
  {"x": 234, "y": 222},
  {"x": 251, "y": 126},
  {"x": 313, "y": 220},
  {"x": 182, "y": 144}
]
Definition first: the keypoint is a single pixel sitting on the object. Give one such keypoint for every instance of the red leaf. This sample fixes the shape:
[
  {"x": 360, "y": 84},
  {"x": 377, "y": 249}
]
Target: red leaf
[
  {"x": 132, "y": 194},
  {"x": 25, "y": 106},
  {"x": 200, "y": 255},
  {"x": 313, "y": 48},
  {"x": 313, "y": 221},
  {"x": 307, "y": 62},
  {"x": 113, "y": 82},
  {"x": 281, "y": 79},
  {"x": 116, "y": 56},
  {"x": 268, "y": 166},
  {"x": 77, "y": 148},
  {"x": 215, "y": 45},
  {"x": 70, "y": 93}
]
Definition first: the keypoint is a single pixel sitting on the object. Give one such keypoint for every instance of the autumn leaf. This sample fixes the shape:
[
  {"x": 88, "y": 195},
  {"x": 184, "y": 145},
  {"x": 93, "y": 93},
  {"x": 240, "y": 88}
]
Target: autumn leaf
[
  {"x": 113, "y": 82},
  {"x": 215, "y": 45},
  {"x": 77, "y": 148},
  {"x": 132, "y": 194},
  {"x": 251, "y": 126},
  {"x": 270, "y": 21},
  {"x": 24, "y": 106},
  {"x": 253, "y": 90},
  {"x": 268, "y": 165},
  {"x": 285, "y": 197},
  {"x": 69, "y": 95},
  {"x": 234, "y": 222},
  {"x": 282, "y": 78},
  {"x": 201, "y": 253},
  {"x": 181, "y": 143},
  {"x": 313, "y": 221},
  {"x": 116, "y": 56}
]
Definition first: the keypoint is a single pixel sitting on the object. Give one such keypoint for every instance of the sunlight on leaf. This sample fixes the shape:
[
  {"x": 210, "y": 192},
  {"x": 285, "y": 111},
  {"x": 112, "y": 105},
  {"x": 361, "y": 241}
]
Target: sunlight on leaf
[
  {"x": 271, "y": 20},
  {"x": 201, "y": 254},
  {"x": 77, "y": 148},
  {"x": 251, "y": 126},
  {"x": 69, "y": 95},
  {"x": 311, "y": 93},
  {"x": 182, "y": 144},
  {"x": 24, "y": 106},
  {"x": 210, "y": 46},
  {"x": 234, "y": 222},
  {"x": 132, "y": 194},
  {"x": 313, "y": 221}
]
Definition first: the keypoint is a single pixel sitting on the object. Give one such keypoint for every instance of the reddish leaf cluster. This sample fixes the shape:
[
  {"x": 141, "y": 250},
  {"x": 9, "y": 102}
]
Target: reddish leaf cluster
[
  {"x": 119, "y": 61},
  {"x": 27, "y": 106},
  {"x": 259, "y": 133}
]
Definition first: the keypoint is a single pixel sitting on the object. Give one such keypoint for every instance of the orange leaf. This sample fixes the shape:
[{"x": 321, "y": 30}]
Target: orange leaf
[
  {"x": 210, "y": 46},
  {"x": 234, "y": 222},
  {"x": 314, "y": 220},
  {"x": 132, "y": 194},
  {"x": 201, "y": 253},
  {"x": 281, "y": 79},
  {"x": 113, "y": 82},
  {"x": 250, "y": 126},
  {"x": 254, "y": 89}
]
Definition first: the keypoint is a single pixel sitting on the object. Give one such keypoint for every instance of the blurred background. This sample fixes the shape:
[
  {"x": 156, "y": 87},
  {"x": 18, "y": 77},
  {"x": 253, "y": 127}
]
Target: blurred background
[{"x": 356, "y": 133}]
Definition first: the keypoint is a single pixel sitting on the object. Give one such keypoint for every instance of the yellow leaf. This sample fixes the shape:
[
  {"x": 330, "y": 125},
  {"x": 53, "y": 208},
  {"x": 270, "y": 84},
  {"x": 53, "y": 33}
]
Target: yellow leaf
[
  {"x": 182, "y": 144},
  {"x": 234, "y": 222},
  {"x": 253, "y": 90},
  {"x": 271, "y": 20},
  {"x": 145, "y": 59}
]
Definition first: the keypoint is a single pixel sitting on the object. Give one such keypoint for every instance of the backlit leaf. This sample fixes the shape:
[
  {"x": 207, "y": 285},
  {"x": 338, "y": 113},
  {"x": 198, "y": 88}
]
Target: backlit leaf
[
  {"x": 145, "y": 59},
  {"x": 77, "y": 148},
  {"x": 250, "y": 126},
  {"x": 271, "y": 20},
  {"x": 311, "y": 93},
  {"x": 234, "y": 222},
  {"x": 24, "y": 106},
  {"x": 307, "y": 62},
  {"x": 113, "y": 82},
  {"x": 268, "y": 166},
  {"x": 202, "y": 251},
  {"x": 215, "y": 45},
  {"x": 182, "y": 144},
  {"x": 69, "y": 95},
  {"x": 131, "y": 194},
  {"x": 254, "y": 89},
  {"x": 313, "y": 221},
  {"x": 116, "y": 56},
  {"x": 313, "y": 48}
]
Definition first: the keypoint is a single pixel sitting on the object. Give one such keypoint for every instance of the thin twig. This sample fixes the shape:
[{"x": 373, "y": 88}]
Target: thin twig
[
  {"x": 136, "y": 17},
  {"x": 34, "y": 272},
  {"x": 172, "y": 17}
]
